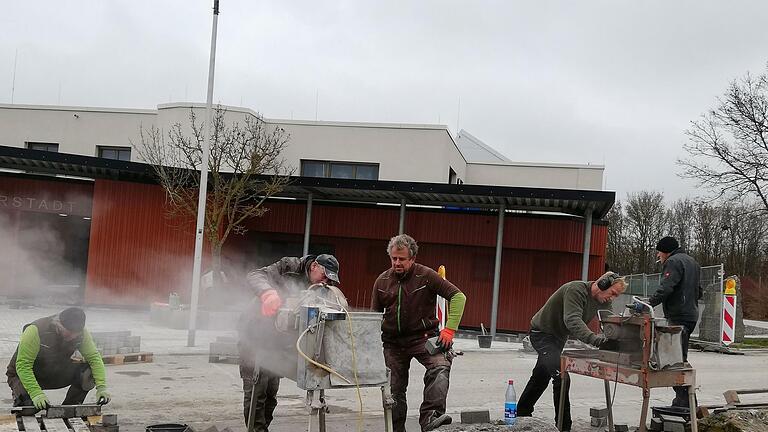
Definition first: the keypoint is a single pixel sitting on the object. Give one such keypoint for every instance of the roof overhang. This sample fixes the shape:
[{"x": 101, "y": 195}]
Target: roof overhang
[{"x": 568, "y": 201}]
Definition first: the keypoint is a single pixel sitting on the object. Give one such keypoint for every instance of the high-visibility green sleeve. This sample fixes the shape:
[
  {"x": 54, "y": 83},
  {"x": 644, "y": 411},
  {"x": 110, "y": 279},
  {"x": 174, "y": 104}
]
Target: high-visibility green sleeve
[
  {"x": 29, "y": 346},
  {"x": 92, "y": 356},
  {"x": 455, "y": 310}
]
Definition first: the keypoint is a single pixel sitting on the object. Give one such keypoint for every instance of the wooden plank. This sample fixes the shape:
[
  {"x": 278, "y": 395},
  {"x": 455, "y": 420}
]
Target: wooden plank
[
  {"x": 8, "y": 424},
  {"x": 77, "y": 425},
  {"x": 55, "y": 425},
  {"x": 30, "y": 424},
  {"x": 118, "y": 359}
]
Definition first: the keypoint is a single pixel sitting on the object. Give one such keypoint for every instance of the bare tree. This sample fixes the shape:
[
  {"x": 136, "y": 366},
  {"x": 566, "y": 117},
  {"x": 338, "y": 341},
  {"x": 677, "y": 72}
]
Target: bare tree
[
  {"x": 245, "y": 169},
  {"x": 728, "y": 145},
  {"x": 680, "y": 218},
  {"x": 618, "y": 255},
  {"x": 708, "y": 234},
  {"x": 646, "y": 224}
]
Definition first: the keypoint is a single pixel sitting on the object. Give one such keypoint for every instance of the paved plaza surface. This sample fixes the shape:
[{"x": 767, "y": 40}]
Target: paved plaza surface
[{"x": 181, "y": 386}]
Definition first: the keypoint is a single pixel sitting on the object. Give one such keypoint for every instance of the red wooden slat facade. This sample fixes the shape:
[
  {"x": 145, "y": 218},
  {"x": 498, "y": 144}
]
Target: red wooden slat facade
[{"x": 137, "y": 255}]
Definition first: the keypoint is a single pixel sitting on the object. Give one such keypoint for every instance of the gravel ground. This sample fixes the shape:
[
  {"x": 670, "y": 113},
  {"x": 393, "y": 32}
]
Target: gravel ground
[{"x": 755, "y": 331}]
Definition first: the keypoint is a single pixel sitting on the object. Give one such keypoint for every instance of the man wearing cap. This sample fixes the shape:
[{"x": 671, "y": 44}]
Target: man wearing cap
[
  {"x": 407, "y": 294},
  {"x": 259, "y": 341},
  {"x": 42, "y": 361},
  {"x": 679, "y": 294},
  {"x": 565, "y": 314}
]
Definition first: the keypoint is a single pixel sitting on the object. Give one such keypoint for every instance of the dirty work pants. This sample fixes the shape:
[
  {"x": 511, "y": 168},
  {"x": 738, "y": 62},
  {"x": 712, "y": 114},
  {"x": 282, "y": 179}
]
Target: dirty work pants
[
  {"x": 260, "y": 395},
  {"x": 436, "y": 378},
  {"x": 76, "y": 376},
  {"x": 681, "y": 393},
  {"x": 547, "y": 368}
]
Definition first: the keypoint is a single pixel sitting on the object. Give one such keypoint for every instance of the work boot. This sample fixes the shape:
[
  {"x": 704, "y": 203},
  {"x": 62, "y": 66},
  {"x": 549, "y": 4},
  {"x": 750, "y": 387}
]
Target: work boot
[{"x": 436, "y": 421}]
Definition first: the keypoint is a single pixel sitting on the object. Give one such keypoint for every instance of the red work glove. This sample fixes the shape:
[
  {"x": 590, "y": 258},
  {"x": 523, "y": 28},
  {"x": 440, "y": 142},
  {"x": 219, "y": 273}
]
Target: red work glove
[
  {"x": 270, "y": 303},
  {"x": 446, "y": 338}
]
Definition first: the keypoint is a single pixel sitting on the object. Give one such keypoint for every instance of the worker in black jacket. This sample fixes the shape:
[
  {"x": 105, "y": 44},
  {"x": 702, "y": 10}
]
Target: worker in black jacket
[
  {"x": 679, "y": 293},
  {"x": 261, "y": 346}
]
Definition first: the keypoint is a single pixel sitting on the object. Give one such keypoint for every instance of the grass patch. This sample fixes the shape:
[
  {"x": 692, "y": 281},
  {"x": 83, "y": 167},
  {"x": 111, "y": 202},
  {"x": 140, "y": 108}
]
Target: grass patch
[{"x": 752, "y": 343}]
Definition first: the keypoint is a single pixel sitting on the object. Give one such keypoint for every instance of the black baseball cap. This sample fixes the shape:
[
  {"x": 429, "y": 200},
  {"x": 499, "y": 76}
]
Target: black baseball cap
[{"x": 331, "y": 266}]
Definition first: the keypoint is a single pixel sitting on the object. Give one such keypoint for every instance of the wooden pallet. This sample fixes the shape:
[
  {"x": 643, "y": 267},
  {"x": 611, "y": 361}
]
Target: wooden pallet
[
  {"x": 12, "y": 423},
  {"x": 118, "y": 359},
  {"x": 228, "y": 359}
]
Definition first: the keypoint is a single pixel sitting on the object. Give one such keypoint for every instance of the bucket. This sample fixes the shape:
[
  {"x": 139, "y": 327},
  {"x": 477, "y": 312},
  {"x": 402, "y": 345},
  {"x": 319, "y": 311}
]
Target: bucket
[
  {"x": 169, "y": 427},
  {"x": 484, "y": 341}
]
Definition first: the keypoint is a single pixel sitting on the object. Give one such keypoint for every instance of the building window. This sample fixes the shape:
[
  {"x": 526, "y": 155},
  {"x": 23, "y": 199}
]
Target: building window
[
  {"x": 43, "y": 146},
  {"x": 342, "y": 170},
  {"x": 452, "y": 176},
  {"x": 117, "y": 153}
]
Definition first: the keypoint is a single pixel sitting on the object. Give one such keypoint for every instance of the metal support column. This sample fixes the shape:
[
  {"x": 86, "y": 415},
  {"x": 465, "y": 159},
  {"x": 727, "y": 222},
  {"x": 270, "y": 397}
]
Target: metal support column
[
  {"x": 401, "y": 229},
  {"x": 203, "y": 186},
  {"x": 497, "y": 269},
  {"x": 307, "y": 225},
  {"x": 587, "y": 244}
]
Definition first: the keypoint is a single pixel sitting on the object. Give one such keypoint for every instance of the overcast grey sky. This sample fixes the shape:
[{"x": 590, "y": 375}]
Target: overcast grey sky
[{"x": 604, "y": 82}]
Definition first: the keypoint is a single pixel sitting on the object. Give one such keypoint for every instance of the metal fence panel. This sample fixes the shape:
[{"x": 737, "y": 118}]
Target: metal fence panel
[{"x": 711, "y": 280}]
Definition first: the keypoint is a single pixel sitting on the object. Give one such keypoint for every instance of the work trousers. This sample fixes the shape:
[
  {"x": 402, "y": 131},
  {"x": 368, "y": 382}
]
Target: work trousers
[
  {"x": 76, "y": 376},
  {"x": 259, "y": 397},
  {"x": 547, "y": 368},
  {"x": 681, "y": 393},
  {"x": 436, "y": 379}
]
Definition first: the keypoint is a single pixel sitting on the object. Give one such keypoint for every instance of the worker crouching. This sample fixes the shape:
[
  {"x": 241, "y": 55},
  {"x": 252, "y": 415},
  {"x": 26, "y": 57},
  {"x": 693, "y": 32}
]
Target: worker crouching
[{"x": 43, "y": 361}]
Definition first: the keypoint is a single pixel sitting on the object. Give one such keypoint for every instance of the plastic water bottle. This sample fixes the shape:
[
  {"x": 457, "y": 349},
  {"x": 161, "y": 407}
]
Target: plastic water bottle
[{"x": 510, "y": 405}]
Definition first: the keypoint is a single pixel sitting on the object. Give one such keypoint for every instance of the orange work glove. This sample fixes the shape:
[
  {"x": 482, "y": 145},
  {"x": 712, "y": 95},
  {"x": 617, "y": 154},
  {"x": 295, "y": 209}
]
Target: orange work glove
[
  {"x": 270, "y": 303},
  {"x": 446, "y": 338}
]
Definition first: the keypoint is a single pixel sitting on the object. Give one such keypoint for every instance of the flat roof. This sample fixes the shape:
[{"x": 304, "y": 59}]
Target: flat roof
[{"x": 568, "y": 201}]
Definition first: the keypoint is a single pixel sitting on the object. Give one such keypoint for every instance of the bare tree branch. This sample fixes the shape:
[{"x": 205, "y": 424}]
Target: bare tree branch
[{"x": 245, "y": 169}]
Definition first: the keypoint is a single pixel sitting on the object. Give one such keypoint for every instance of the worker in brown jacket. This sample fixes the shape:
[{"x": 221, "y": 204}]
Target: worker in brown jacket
[
  {"x": 407, "y": 294},
  {"x": 260, "y": 345}
]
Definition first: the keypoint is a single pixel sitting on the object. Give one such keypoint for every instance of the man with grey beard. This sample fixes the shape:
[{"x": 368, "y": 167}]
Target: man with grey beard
[
  {"x": 260, "y": 346},
  {"x": 407, "y": 294}
]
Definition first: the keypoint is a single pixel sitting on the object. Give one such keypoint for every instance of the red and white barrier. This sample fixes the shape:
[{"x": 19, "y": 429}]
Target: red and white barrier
[
  {"x": 729, "y": 313},
  {"x": 440, "y": 305}
]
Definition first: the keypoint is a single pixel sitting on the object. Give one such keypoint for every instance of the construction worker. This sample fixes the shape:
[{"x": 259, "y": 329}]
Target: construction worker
[
  {"x": 565, "y": 314},
  {"x": 42, "y": 361},
  {"x": 679, "y": 294},
  {"x": 407, "y": 294},
  {"x": 260, "y": 346}
]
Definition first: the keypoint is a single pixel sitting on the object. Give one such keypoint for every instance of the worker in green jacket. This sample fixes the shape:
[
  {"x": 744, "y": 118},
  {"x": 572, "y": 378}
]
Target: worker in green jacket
[{"x": 43, "y": 361}]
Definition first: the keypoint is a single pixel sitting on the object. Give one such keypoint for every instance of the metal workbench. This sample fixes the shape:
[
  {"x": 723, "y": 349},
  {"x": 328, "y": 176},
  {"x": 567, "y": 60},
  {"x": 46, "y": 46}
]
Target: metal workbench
[{"x": 637, "y": 368}]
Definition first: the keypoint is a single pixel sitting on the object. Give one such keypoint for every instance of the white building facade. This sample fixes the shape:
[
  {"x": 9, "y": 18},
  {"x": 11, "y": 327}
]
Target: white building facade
[{"x": 374, "y": 151}]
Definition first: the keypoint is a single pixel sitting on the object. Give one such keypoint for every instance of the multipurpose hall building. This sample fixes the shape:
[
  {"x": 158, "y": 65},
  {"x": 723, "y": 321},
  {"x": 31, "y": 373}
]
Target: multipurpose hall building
[{"x": 81, "y": 216}]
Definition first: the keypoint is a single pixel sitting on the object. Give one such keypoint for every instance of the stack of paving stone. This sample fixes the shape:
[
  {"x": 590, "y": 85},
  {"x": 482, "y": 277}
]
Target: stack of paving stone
[
  {"x": 668, "y": 423},
  {"x": 224, "y": 350},
  {"x": 599, "y": 419},
  {"x": 118, "y": 342},
  {"x": 599, "y": 416},
  {"x": 670, "y": 419}
]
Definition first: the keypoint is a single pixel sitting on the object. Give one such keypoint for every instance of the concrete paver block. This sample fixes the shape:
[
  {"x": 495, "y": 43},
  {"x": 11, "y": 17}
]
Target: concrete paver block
[{"x": 475, "y": 416}]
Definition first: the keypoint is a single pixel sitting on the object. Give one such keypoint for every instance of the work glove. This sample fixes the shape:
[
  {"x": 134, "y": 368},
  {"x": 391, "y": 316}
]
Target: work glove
[
  {"x": 638, "y": 307},
  {"x": 446, "y": 338},
  {"x": 270, "y": 303},
  {"x": 600, "y": 340},
  {"x": 102, "y": 396},
  {"x": 41, "y": 401}
]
